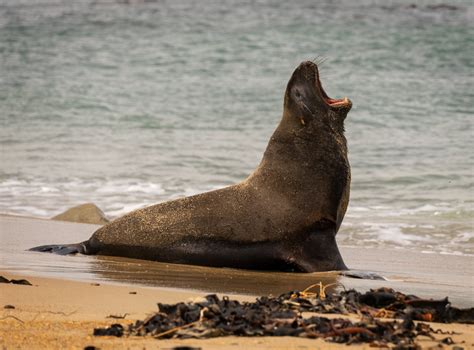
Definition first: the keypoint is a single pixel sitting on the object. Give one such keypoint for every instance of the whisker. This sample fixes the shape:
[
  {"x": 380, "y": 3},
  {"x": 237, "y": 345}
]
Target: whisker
[
  {"x": 319, "y": 60},
  {"x": 316, "y": 59}
]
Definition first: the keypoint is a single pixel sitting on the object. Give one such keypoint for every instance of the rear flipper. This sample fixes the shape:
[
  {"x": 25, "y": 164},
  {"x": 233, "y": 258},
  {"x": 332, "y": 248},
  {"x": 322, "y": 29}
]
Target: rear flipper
[{"x": 61, "y": 249}]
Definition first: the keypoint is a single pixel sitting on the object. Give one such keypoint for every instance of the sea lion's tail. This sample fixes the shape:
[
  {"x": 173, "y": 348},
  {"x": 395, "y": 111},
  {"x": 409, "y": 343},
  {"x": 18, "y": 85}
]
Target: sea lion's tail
[{"x": 62, "y": 249}]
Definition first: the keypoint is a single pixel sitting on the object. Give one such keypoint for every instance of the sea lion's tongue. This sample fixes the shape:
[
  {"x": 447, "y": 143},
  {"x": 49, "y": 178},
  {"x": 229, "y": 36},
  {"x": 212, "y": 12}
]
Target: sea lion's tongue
[{"x": 337, "y": 101}]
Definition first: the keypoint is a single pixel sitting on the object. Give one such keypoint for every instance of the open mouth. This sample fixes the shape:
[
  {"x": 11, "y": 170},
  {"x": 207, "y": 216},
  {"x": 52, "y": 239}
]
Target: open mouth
[{"x": 332, "y": 102}]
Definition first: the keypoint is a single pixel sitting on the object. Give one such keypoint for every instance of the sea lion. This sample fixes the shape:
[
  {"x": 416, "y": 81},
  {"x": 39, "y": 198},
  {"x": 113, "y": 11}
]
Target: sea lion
[{"x": 284, "y": 216}]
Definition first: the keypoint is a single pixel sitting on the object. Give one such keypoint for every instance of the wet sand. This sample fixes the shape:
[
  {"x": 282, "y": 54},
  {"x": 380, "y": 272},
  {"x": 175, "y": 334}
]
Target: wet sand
[
  {"x": 64, "y": 305},
  {"x": 56, "y": 313},
  {"x": 427, "y": 275}
]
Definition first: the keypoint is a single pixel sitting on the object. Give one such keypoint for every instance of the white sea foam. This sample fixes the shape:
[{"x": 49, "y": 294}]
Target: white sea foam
[
  {"x": 124, "y": 209},
  {"x": 394, "y": 233}
]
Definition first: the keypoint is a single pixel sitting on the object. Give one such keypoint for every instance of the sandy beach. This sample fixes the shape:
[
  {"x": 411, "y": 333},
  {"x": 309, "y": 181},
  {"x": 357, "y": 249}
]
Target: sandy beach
[
  {"x": 57, "y": 314},
  {"x": 78, "y": 293}
]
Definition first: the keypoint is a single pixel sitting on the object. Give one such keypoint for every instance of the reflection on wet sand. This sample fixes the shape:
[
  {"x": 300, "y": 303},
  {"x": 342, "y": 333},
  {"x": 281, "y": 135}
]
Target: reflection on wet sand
[
  {"x": 218, "y": 280},
  {"x": 427, "y": 275}
]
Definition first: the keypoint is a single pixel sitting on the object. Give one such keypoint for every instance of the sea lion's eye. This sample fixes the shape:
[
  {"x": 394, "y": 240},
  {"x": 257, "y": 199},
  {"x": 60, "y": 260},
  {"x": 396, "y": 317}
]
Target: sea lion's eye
[{"x": 297, "y": 94}]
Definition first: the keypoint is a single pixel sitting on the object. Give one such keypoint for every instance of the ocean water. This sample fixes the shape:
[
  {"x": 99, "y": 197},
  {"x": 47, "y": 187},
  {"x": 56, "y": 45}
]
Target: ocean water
[{"x": 130, "y": 103}]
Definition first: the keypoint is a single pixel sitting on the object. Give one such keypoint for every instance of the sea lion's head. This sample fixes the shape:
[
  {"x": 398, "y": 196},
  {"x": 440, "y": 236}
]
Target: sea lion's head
[{"x": 307, "y": 104}]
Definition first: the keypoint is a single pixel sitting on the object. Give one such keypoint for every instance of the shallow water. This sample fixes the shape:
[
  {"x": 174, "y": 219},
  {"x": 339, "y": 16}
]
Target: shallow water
[
  {"x": 128, "y": 103},
  {"x": 429, "y": 277}
]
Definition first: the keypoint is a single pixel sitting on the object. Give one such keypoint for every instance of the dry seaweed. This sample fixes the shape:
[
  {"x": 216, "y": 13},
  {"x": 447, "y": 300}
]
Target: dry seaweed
[
  {"x": 115, "y": 330},
  {"x": 386, "y": 302},
  {"x": 118, "y": 316},
  {"x": 283, "y": 316},
  {"x": 12, "y": 281}
]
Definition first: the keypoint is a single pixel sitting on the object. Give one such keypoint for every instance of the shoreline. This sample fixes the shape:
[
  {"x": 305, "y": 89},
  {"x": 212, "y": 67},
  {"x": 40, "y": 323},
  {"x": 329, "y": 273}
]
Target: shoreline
[
  {"x": 348, "y": 246},
  {"x": 427, "y": 275}
]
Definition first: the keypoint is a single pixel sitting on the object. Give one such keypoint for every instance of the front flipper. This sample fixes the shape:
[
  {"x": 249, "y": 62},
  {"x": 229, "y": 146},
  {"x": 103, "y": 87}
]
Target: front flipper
[
  {"x": 366, "y": 275},
  {"x": 61, "y": 249}
]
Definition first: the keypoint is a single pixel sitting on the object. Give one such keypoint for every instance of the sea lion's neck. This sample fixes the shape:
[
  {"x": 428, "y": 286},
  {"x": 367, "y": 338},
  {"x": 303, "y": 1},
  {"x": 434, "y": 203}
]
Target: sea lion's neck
[
  {"x": 306, "y": 171},
  {"x": 298, "y": 150},
  {"x": 298, "y": 160}
]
